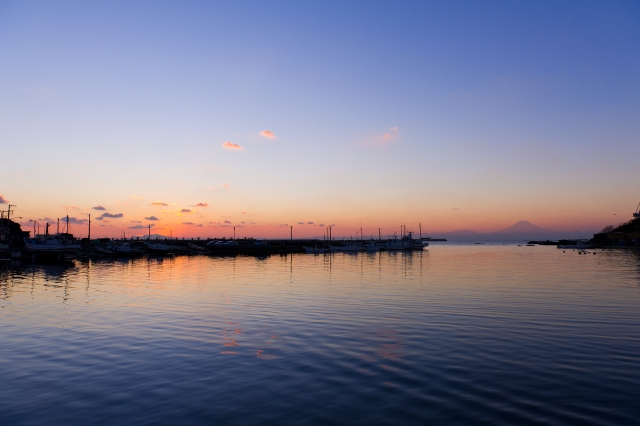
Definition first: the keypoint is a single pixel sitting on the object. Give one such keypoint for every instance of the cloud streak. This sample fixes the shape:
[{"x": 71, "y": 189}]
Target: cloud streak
[
  {"x": 152, "y": 218},
  {"x": 201, "y": 205},
  {"x": 98, "y": 208},
  {"x": 3, "y": 200},
  {"x": 385, "y": 138},
  {"x": 109, "y": 215},
  {"x": 231, "y": 145},
  {"x": 268, "y": 134},
  {"x": 158, "y": 203}
]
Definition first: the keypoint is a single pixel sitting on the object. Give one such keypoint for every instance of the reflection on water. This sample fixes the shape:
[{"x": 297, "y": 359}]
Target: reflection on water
[{"x": 450, "y": 335}]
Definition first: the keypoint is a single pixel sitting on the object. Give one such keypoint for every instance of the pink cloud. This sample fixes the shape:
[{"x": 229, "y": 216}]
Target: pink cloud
[
  {"x": 185, "y": 211},
  {"x": 201, "y": 205},
  {"x": 231, "y": 145},
  {"x": 225, "y": 186},
  {"x": 3, "y": 200},
  {"x": 268, "y": 134},
  {"x": 387, "y": 137},
  {"x": 159, "y": 203}
]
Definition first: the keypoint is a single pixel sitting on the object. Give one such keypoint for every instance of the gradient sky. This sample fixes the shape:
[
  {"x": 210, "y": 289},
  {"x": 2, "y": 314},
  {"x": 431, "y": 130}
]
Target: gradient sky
[{"x": 457, "y": 115}]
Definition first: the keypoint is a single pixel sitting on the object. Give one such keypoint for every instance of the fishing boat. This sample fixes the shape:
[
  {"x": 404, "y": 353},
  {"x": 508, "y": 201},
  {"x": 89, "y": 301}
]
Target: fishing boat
[
  {"x": 160, "y": 248},
  {"x": 62, "y": 245},
  {"x": 407, "y": 242},
  {"x": 195, "y": 247},
  {"x": 124, "y": 249},
  {"x": 315, "y": 250},
  {"x": 372, "y": 246},
  {"x": 350, "y": 247}
]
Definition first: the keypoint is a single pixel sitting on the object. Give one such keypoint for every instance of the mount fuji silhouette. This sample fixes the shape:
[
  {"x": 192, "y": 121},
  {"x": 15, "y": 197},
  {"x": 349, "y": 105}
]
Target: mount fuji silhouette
[{"x": 522, "y": 230}]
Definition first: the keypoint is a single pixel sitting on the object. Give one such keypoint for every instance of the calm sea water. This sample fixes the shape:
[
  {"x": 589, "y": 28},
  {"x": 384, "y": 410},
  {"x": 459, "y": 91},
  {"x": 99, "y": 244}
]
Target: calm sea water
[{"x": 451, "y": 335}]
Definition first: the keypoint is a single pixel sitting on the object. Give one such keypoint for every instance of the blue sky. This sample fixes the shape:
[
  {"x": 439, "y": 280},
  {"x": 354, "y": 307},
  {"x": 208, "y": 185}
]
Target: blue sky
[{"x": 456, "y": 114}]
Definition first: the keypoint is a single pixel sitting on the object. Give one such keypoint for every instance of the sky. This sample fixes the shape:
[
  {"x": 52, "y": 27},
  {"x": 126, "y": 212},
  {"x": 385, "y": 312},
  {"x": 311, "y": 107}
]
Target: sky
[{"x": 196, "y": 117}]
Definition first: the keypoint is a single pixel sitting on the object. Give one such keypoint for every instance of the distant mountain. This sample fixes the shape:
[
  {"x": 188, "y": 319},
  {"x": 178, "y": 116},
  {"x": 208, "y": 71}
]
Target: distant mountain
[
  {"x": 524, "y": 227},
  {"x": 522, "y": 230}
]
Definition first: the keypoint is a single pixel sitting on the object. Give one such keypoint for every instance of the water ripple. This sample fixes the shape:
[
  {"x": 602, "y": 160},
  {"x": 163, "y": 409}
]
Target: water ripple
[{"x": 452, "y": 335}]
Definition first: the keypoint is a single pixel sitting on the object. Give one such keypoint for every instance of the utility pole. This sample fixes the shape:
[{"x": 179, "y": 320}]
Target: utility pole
[
  {"x": 234, "y": 232},
  {"x": 291, "y": 232},
  {"x": 149, "y": 232}
]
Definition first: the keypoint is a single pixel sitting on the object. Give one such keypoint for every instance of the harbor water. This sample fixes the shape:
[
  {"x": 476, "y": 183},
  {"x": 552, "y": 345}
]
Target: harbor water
[{"x": 454, "y": 334}]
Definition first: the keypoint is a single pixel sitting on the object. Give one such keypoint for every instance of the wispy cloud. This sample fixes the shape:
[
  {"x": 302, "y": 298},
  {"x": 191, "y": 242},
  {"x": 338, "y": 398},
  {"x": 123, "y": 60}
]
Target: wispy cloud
[
  {"x": 387, "y": 137},
  {"x": 138, "y": 227},
  {"x": 226, "y": 221},
  {"x": 201, "y": 205},
  {"x": 309, "y": 223},
  {"x": 158, "y": 203},
  {"x": 152, "y": 218},
  {"x": 110, "y": 215},
  {"x": 188, "y": 223},
  {"x": 300, "y": 223},
  {"x": 98, "y": 208},
  {"x": 185, "y": 211},
  {"x": 135, "y": 221},
  {"x": 231, "y": 145},
  {"x": 384, "y": 138},
  {"x": 225, "y": 185},
  {"x": 243, "y": 212},
  {"x": 268, "y": 134},
  {"x": 71, "y": 207},
  {"x": 3, "y": 200}
]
